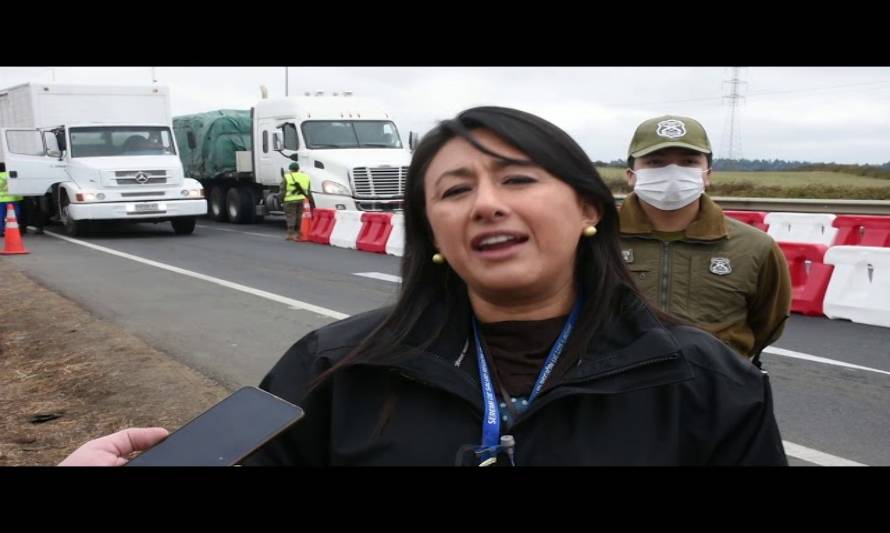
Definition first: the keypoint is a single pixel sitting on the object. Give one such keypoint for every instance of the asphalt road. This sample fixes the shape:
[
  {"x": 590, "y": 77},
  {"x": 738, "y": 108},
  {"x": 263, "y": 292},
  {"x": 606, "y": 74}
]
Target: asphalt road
[{"x": 229, "y": 300}]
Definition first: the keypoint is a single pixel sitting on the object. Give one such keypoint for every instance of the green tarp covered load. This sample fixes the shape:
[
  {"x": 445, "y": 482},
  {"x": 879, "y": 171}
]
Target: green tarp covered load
[{"x": 208, "y": 141}]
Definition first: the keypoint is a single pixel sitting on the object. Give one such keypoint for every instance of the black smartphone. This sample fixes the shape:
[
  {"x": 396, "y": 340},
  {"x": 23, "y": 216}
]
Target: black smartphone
[{"x": 226, "y": 433}]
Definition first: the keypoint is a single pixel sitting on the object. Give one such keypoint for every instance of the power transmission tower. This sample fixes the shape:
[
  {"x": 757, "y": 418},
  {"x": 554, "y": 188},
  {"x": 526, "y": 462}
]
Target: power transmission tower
[{"x": 732, "y": 137}]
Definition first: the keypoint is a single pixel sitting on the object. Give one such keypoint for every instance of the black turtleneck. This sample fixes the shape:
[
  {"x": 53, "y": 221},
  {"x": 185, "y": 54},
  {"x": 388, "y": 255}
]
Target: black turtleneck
[{"x": 517, "y": 350}]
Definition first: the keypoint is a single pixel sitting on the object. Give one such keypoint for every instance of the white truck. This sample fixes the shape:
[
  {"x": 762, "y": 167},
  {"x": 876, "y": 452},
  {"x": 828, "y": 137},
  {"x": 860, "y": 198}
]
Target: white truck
[
  {"x": 350, "y": 147},
  {"x": 97, "y": 153}
]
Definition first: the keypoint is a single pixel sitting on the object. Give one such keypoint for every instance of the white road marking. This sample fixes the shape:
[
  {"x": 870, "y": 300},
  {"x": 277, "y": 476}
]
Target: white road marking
[
  {"x": 816, "y": 359},
  {"x": 294, "y": 304},
  {"x": 381, "y": 276},
  {"x": 815, "y": 456},
  {"x": 242, "y": 232}
]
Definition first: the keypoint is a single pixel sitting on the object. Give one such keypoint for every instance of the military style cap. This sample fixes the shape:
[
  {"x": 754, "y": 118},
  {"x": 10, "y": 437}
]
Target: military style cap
[{"x": 668, "y": 131}]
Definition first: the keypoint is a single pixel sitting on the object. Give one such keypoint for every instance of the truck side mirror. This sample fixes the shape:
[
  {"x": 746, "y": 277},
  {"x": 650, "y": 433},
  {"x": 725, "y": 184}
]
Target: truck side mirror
[
  {"x": 191, "y": 140},
  {"x": 276, "y": 142},
  {"x": 51, "y": 144},
  {"x": 294, "y": 157},
  {"x": 413, "y": 138}
]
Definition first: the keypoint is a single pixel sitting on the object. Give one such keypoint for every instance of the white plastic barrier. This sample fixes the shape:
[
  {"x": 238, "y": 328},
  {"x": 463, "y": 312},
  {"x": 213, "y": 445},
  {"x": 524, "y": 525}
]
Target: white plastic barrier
[
  {"x": 859, "y": 289},
  {"x": 814, "y": 228},
  {"x": 395, "y": 245},
  {"x": 346, "y": 228}
]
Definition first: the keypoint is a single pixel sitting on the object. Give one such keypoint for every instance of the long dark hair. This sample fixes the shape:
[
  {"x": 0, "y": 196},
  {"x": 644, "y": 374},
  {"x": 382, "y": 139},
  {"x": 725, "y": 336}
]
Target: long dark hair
[{"x": 599, "y": 268}]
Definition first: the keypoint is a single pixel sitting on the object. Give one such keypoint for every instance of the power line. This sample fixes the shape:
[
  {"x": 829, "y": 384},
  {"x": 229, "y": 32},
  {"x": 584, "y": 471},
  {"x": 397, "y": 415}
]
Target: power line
[
  {"x": 821, "y": 88},
  {"x": 765, "y": 93}
]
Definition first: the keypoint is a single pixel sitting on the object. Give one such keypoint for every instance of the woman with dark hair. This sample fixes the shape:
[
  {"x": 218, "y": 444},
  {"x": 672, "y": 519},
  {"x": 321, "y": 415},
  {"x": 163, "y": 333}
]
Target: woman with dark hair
[{"x": 518, "y": 336}]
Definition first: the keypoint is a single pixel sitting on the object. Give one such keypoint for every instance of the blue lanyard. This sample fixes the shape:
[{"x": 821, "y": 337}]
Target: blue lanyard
[{"x": 491, "y": 420}]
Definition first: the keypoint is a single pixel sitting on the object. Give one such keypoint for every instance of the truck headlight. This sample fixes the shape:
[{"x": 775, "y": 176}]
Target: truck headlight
[
  {"x": 332, "y": 187},
  {"x": 193, "y": 193},
  {"x": 85, "y": 197}
]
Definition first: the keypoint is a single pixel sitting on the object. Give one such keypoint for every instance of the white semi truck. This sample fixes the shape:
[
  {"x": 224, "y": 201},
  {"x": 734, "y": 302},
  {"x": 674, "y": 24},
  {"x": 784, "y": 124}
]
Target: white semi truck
[
  {"x": 98, "y": 153},
  {"x": 350, "y": 147}
]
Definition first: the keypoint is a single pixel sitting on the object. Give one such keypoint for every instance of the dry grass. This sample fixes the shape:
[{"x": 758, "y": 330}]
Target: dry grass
[{"x": 83, "y": 376}]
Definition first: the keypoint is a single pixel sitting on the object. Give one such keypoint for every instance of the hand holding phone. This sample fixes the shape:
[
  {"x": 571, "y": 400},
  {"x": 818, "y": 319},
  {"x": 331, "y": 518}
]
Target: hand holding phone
[
  {"x": 115, "y": 449},
  {"x": 225, "y": 434}
]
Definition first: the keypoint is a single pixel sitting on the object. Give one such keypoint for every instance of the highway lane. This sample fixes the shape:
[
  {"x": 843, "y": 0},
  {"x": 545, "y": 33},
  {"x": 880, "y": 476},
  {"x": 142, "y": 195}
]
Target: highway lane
[{"x": 235, "y": 335}]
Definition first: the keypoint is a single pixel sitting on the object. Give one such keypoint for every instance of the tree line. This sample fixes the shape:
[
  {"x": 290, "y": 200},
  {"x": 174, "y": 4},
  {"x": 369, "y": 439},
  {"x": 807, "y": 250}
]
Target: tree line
[{"x": 760, "y": 165}]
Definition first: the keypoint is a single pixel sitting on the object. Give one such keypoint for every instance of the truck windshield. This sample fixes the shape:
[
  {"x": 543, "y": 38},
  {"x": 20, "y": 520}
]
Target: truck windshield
[
  {"x": 116, "y": 141},
  {"x": 351, "y": 134}
]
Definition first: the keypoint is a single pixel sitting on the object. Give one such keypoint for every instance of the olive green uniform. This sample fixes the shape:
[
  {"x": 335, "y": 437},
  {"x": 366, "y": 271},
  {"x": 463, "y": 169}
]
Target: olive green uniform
[{"x": 726, "y": 277}]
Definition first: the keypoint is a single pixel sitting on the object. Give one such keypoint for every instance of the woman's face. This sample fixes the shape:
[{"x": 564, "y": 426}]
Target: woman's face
[{"x": 506, "y": 229}]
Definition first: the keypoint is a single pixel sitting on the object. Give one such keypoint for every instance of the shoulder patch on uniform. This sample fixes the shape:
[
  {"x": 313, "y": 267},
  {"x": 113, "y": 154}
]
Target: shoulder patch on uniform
[
  {"x": 628, "y": 255},
  {"x": 720, "y": 266}
]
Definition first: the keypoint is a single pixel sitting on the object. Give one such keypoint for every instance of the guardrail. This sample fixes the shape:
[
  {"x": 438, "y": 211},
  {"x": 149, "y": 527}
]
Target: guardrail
[{"x": 799, "y": 205}]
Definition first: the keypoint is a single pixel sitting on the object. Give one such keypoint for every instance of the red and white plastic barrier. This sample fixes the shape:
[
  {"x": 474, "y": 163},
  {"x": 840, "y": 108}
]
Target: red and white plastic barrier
[
  {"x": 814, "y": 228},
  {"x": 809, "y": 276},
  {"x": 860, "y": 286},
  {"x": 347, "y": 225},
  {"x": 396, "y": 243},
  {"x": 376, "y": 228},
  {"x": 862, "y": 230},
  {"x": 322, "y": 225},
  {"x": 839, "y": 265},
  {"x": 366, "y": 231},
  {"x": 752, "y": 218}
]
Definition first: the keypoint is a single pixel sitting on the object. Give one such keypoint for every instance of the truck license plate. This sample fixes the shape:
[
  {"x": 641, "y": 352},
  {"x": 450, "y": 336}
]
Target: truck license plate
[{"x": 146, "y": 207}]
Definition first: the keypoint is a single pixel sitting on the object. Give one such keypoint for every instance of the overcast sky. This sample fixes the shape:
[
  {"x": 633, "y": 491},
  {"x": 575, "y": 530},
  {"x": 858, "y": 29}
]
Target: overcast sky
[{"x": 824, "y": 114}]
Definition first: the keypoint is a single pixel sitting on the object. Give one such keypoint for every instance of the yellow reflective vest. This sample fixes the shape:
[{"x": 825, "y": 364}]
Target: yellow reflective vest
[
  {"x": 4, "y": 194},
  {"x": 292, "y": 193}
]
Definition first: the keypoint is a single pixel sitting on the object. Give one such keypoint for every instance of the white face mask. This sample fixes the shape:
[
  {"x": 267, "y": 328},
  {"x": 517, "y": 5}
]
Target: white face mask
[{"x": 671, "y": 187}]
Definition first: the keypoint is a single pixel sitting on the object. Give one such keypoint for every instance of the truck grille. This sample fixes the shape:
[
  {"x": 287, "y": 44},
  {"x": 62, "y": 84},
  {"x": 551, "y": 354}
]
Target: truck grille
[
  {"x": 146, "y": 193},
  {"x": 133, "y": 181},
  {"x": 379, "y": 182},
  {"x": 140, "y": 177},
  {"x": 365, "y": 205},
  {"x": 132, "y": 173}
]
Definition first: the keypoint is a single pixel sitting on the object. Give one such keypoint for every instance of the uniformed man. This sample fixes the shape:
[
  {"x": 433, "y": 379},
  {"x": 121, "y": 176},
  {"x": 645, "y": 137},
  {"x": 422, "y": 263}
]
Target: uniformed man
[{"x": 686, "y": 256}]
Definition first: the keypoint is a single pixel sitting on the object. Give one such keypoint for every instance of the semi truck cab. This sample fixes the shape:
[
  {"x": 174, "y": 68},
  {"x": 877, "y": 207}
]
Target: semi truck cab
[{"x": 350, "y": 147}]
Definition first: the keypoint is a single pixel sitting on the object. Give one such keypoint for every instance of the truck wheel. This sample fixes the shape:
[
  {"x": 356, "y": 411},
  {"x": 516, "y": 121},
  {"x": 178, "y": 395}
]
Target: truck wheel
[
  {"x": 233, "y": 205},
  {"x": 217, "y": 204},
  {"x": 248, "y": 205},
  {"x": 183, "y": 225},
  {"x": 74, "y": 228},
  {"x": 241, "y": 205}
]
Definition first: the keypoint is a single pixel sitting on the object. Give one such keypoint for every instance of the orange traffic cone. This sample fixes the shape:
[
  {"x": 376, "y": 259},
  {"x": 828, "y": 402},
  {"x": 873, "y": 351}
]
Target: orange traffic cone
[
  {"x": 306, "y": 222},
  {"x": 12, "y": 244}
]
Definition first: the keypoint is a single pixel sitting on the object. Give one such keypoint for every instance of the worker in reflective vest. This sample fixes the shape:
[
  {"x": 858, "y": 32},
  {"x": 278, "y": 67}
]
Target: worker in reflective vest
[
  {"x": 296, "y": 188},
  {"x": 7, "y": 199}
]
